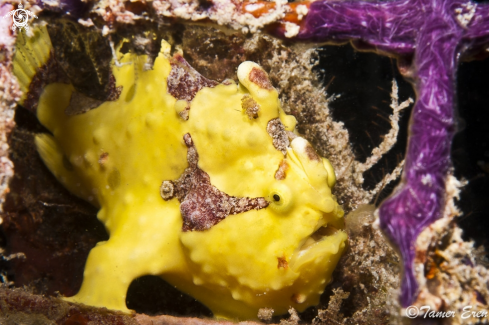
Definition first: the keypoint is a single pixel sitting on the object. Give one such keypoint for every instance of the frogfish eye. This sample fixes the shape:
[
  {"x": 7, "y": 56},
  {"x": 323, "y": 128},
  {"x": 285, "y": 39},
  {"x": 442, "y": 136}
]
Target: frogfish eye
[{"x": 280, "y": 198}]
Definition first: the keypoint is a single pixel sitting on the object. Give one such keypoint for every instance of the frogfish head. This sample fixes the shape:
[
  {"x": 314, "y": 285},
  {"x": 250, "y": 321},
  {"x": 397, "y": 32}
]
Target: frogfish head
[{"x": 279, "y": 256}]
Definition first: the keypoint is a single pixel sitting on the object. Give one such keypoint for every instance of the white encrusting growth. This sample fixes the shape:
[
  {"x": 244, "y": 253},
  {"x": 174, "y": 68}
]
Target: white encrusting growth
[
  {"x": 389, "y": 139},
  {"x": 301, "y": 11},
  {"x": 291, "y": 30},
  {"x": 465, "y": 13}
]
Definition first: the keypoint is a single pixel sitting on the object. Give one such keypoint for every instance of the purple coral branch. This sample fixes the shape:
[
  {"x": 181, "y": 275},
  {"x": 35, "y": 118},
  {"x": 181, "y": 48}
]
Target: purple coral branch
[
  {"x": 383, "y": 25},
  {"x": 436, "y": 32},
  {"x": 419, "y": 200}
]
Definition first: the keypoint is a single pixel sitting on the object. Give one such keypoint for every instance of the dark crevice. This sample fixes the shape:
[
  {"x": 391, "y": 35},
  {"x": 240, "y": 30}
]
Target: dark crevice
[
  {"x": 364, "y": 82},
  {"x": 152, "y": 295},
  {"x": 470, "y": 150}
]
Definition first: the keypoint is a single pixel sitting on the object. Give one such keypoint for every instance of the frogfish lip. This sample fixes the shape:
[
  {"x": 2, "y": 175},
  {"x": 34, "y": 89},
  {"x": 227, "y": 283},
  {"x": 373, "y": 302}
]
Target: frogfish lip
[{"x": 325, "y": 241}]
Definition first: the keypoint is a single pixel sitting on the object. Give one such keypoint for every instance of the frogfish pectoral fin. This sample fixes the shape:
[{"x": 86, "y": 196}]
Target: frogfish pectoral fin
[{"x": 53, "y": 157}]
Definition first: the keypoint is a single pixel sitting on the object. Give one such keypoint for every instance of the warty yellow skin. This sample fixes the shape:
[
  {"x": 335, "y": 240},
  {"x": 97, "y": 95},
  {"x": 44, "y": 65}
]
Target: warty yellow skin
[{"x": 260, "y": 258}]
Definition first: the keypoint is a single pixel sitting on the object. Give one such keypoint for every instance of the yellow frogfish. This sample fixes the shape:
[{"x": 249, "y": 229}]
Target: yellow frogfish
[{"x": 207, "y": 185}]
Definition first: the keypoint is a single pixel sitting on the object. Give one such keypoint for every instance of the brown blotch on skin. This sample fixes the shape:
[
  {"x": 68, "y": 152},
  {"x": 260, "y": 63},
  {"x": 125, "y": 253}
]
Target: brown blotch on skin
[
  {"x": 276, "y": 130},
  {"x": 184, "y": 81},
  {"x": 250, "y": 106},
  {"x": 259, "y": 77},
  {"x": 113, "y": 91},
  {"x": 281, "y": 172},
  {"x": 311, "y": 153},
  {"x": 80, "y": 103},
  {"x": 46, "y": 74},
  {"x": 102, "y": 160},
  {"x": 167, "y": 190},
  {"x": 202, "y": 204},
  {"x": 184, "y": 115},
  {"x": 282, "y": 262},
  {"x": 298, "y": 298}
]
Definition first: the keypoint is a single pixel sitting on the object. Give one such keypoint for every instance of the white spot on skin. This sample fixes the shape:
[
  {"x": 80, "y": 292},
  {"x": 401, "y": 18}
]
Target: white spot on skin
[
  {"x": 227, "y": 134},
  {"x": 128, "y": 199},
  {"x": 143, "y": 220},
  {"x": 198, "y": 281},
  {"x": 90, "y": 158},
  {"x": 213, "y": 130},
  {"x": 252, "y": 139},
  {"x": 77, "y": 161},
  {"x": 236, "y": 295},
  {"x": 248, "y": 165},
  {"x": 146, "y": 179},
  {"x": 151, "y": 120}
]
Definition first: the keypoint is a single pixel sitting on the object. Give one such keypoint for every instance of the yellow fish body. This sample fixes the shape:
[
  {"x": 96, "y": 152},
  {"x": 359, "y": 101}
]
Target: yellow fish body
[{"x": 209, "y": 188}]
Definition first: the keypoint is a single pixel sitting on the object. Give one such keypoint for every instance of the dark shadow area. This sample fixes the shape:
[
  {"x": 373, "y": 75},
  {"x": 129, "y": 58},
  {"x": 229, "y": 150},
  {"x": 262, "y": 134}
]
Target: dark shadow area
[
  {"x": 363, "y": 81},
  {"x": 5, "y": 268},
  {"x": 152, "y": 295},
  {"x": 53, "y": 229},
  {"x": 470, "y": 150}
]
